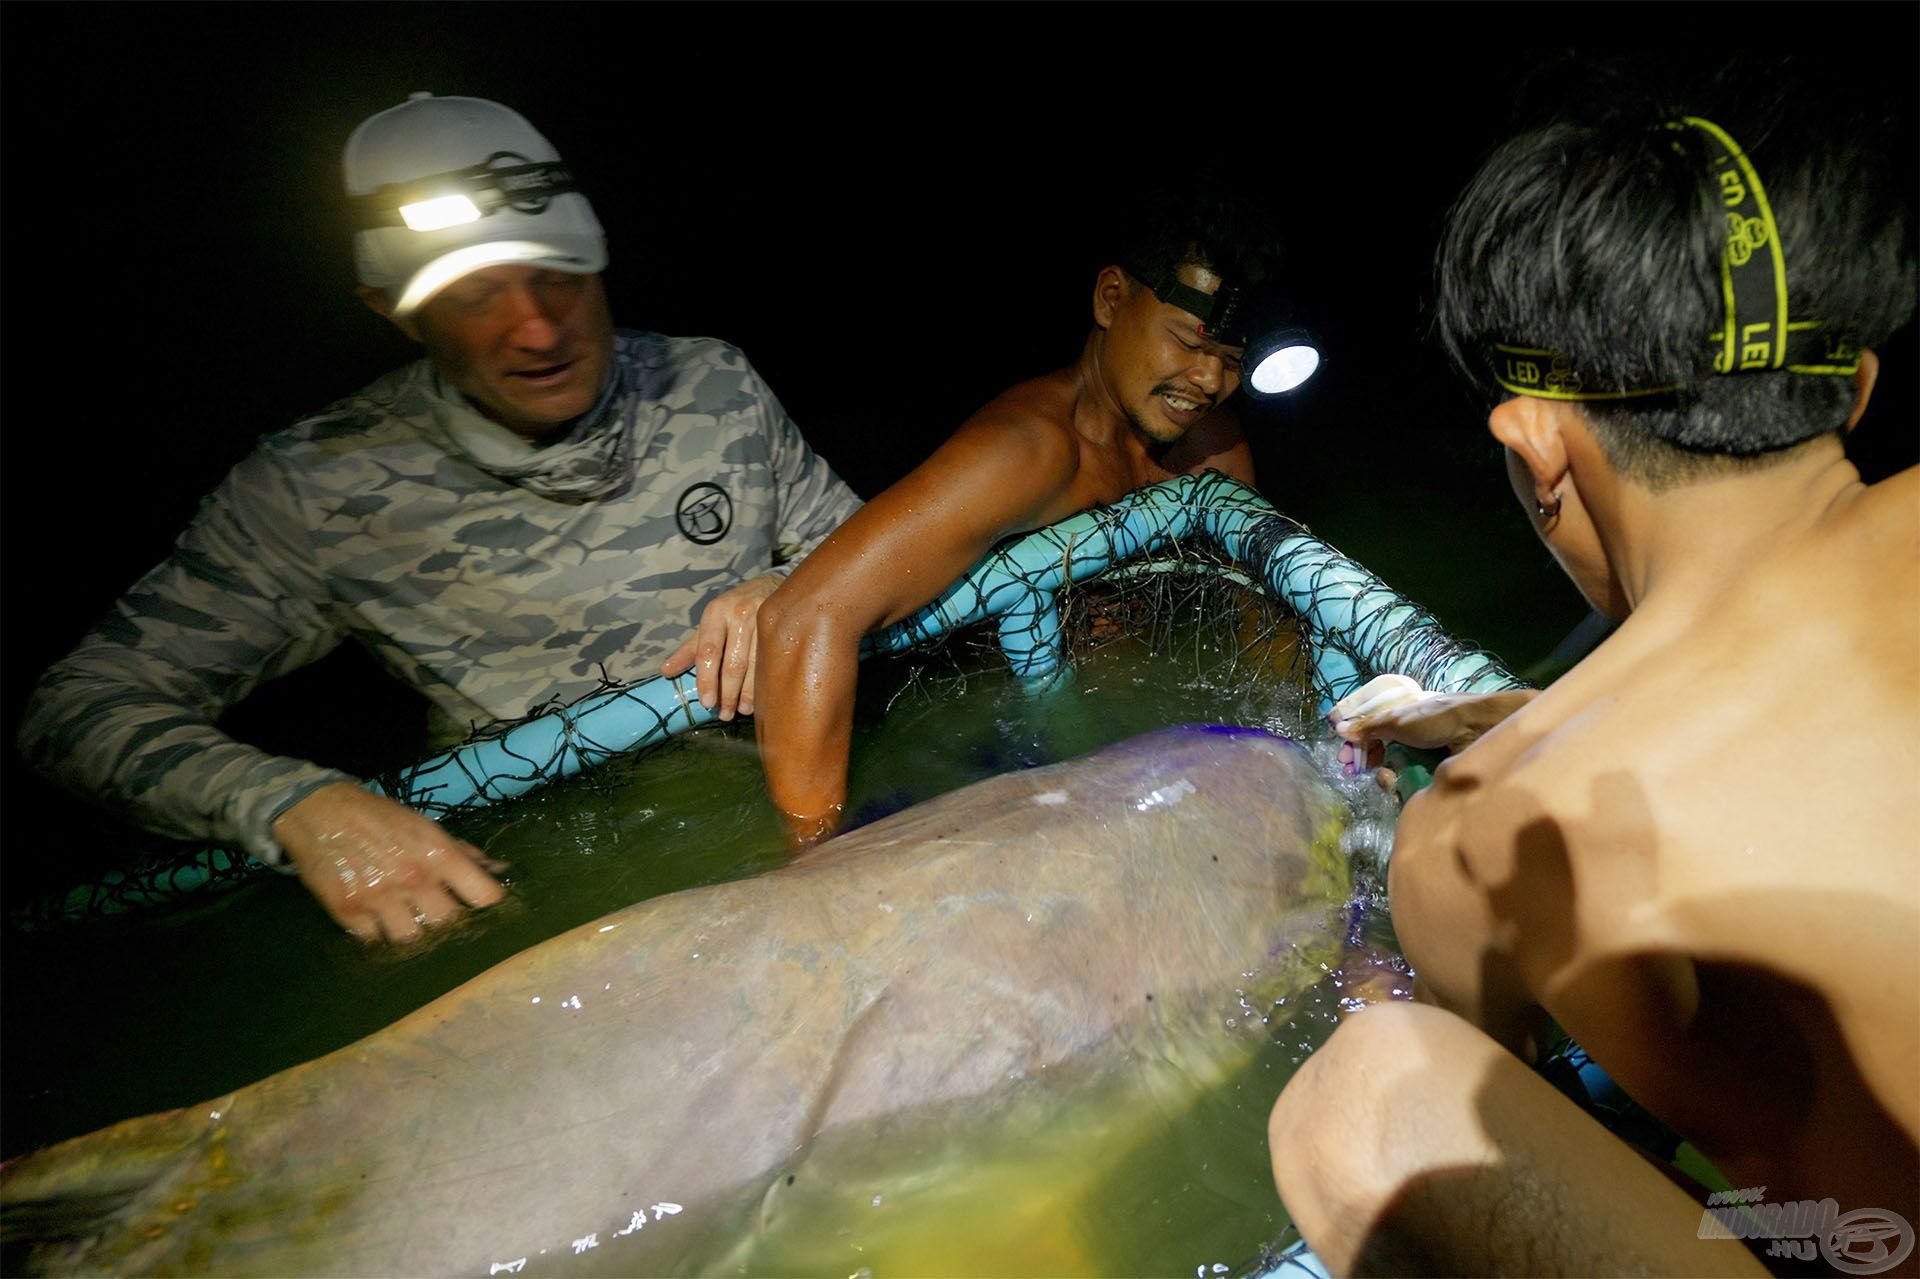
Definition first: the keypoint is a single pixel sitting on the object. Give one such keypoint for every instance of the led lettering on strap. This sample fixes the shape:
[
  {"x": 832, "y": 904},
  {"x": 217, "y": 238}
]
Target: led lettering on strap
[
  {"x": 1545, "y": 374},
  {"x": 1753, "y": 269},
  {"x": 1755, "y": 334}
]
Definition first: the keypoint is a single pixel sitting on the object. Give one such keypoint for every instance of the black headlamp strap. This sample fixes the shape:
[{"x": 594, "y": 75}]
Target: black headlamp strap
[
  {"x": 1217, "y": 312},
  {"x": 526, "y": 187},
  {"x": 1755, "y": 334},
  {"x": 1546, "y": 374},
  {"x": 1753, "y": 268},
  {"x": 529, "y": 183}
]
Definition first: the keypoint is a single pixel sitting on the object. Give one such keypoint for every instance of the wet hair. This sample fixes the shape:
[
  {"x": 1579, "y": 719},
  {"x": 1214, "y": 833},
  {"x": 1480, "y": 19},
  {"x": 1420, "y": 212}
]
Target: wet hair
[
  {"x": 1594, "y": 235},
  {"x": 1213, "y": 223}
]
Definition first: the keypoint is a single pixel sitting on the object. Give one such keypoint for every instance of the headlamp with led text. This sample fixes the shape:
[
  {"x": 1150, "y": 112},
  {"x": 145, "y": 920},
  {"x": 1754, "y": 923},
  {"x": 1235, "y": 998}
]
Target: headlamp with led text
[
  {"x": 503, "y": 181},
  {"x": 1755, "y": 333}
]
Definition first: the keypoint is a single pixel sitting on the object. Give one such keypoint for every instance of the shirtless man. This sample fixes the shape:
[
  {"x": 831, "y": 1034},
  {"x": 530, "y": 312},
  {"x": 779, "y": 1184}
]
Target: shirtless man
[
  {"x": 1698, "y": 851},
  {"x": 1144, "y": 402}
]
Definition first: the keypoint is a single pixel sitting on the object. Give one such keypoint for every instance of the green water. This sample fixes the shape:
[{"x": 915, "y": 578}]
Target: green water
[{"x": 120, "y": 1018}]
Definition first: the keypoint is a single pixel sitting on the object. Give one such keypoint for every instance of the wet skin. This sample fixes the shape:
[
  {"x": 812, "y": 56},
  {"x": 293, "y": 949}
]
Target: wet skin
[
  {"x": 531, "y": 349},
  {"x": 696, "y": 1050},
  {"x": 1145, "y": 402},
  {"x": 1685, "y": 852}
]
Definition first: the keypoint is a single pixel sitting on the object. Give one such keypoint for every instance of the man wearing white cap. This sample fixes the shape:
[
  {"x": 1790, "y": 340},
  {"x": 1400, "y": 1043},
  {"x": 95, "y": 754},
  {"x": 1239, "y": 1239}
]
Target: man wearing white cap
[{"x": 541, "y": 502}]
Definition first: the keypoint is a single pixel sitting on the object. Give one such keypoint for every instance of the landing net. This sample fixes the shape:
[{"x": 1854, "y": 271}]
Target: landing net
[{"x": 1199, "y": 570}]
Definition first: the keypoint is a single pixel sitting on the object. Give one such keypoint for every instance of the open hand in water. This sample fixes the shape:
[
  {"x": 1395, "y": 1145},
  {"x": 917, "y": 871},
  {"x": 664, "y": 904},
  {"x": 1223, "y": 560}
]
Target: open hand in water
[{"x": 378, "y": 867}]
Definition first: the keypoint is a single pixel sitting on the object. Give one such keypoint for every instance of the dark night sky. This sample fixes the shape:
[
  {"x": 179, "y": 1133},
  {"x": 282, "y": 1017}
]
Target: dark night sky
[{"x": 885, "y": 206}]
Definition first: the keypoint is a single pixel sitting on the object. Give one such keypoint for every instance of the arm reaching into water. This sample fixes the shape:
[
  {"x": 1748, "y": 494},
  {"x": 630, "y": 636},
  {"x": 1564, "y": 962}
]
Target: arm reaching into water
[
  {"x": 128, "y": 720},
  {"x": 1142, "y": 404},
  {"x": 993, "y": 478},
  {"x": 1018, "y": 464}
]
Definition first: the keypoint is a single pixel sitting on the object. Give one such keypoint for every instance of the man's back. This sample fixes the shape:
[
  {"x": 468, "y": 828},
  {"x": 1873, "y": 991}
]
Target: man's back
[{"x": 1704, "y": 839}]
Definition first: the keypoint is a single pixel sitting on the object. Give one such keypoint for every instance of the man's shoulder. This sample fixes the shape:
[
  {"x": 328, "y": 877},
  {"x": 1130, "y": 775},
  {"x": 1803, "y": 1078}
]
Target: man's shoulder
[
  {"x": 667, "y": 343},
  {"x": 381, "y": 431},
  {"x": 1890, "y": 513},
  {"x": 701, "y": 375},
  {"x": 1508, "y": 781},
  {"x": 384, "y": 407},
  {"x": 1040, "y": 403},
  {"x": 646, "y": 350},
  {"x": 1029, "y": 419}
]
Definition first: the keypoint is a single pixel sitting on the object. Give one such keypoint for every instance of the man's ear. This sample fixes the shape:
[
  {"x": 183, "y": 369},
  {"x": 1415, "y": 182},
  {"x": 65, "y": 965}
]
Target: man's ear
[
  {"x": 381, "y": 305},
  {"x": 1533, "y": 428},
  {"x": 1111, "y": 288},
  {"x": 1863, "y": 379}
]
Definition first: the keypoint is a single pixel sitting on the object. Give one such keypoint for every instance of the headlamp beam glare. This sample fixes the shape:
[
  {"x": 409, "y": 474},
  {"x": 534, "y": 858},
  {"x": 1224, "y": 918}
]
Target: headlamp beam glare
[
  {"x": 466, "y": 195},
  {"x": 445, "y": 270},
  {"x": 1283, "y": 370},
  {"x": 1281, "y": 360},
  {"x": 439, "y": 213}
]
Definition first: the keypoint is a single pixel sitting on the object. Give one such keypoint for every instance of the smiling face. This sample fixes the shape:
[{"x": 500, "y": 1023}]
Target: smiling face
[
  {"x": 1162, "y": 372},
  {"x": 528, "y": 346}
]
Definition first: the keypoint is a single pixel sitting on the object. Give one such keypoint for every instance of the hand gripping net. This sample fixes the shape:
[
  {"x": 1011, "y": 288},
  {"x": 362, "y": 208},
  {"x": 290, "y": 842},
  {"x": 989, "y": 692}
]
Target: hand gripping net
[{"x": 1162, "y": 549}]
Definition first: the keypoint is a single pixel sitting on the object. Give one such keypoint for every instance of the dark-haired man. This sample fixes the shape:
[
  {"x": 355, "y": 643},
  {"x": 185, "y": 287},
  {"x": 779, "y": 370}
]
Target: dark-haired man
[
  {"x": 1146, "y": 400},
  {"x": 1697, "y": 851},
  {"x": 539, "y": 503}
]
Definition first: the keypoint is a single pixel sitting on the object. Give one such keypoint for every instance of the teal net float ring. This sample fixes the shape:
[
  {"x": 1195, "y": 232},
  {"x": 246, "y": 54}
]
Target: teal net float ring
[{"x": 1354, "y": 625}]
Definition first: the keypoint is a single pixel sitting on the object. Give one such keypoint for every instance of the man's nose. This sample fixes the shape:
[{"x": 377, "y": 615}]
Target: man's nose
[
  {"x": 535, "y": 321},
  {"x": 1208, "y": 373}
]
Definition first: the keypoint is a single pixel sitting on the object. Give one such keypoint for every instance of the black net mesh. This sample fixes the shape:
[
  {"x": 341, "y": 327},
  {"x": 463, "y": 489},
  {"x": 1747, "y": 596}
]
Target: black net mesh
[{"x": 1199, "y": 572}]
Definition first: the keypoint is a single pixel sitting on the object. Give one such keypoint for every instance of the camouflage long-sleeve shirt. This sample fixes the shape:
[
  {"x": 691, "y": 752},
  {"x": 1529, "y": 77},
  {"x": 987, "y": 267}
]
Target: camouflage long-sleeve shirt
[{"x": 489, "y": 574}]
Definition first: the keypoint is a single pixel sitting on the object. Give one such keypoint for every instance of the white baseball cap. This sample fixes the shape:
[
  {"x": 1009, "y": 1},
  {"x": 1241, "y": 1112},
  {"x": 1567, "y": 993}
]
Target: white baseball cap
[{"x": 445, "y": 186}]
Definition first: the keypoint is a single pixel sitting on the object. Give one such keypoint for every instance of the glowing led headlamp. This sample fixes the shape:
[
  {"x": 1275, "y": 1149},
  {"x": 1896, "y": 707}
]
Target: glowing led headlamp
[
  {"x": 503, "y": 181},
  {"x": 1277, "y": 360},
  {"x": 1755, "y": 334}
]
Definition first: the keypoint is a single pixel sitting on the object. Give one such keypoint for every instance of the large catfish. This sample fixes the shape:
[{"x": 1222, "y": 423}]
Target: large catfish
[{"x": 634, "y": 1095}]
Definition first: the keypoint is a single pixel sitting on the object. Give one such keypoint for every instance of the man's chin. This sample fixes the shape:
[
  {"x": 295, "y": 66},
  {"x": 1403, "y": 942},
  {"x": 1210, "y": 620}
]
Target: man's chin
[
  {"x": 1155, "y": 429},
  {"x": 537, "y": 417}
]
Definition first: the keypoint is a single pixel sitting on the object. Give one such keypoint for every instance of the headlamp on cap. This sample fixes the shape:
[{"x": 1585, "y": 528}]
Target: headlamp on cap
[
  {"x": 440, "y": 187},
  {"x": 503, "y": 181}
]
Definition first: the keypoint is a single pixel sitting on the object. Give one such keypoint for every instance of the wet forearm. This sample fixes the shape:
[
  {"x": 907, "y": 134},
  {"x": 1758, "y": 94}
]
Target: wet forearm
[
  {"x": 804, "y": 742},
  {"x": 803, "y": 721}
]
